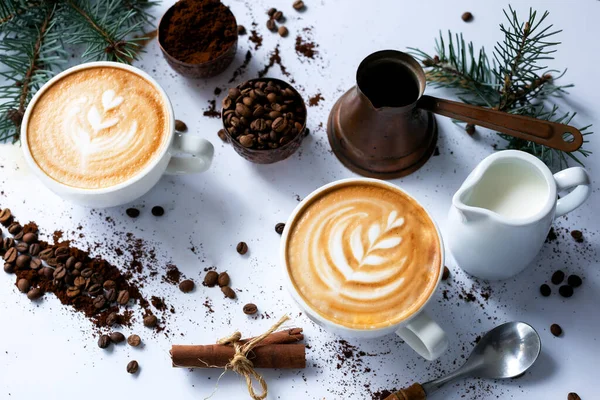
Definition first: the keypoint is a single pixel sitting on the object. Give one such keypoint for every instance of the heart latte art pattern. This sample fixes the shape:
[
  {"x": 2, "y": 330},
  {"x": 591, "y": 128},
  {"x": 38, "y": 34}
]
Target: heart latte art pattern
[
  {"x": 364, "y": 256},
  {"x": 97, "y": 127}
]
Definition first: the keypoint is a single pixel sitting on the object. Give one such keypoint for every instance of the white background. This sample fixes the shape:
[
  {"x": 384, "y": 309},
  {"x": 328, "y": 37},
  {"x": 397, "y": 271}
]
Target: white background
[{"x": 48, "y": 351}]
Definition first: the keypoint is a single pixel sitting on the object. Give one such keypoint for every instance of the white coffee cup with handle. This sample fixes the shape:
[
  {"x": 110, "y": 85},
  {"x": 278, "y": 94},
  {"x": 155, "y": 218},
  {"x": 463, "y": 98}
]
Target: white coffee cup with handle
[{"x": 88, "y": 119}]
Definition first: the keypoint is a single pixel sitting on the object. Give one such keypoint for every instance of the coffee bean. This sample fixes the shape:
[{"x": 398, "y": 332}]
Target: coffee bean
[
  {"x": 94, "y": 289},
  {"x": 11, "y": 255},
  {"x": 87, "y": 272},
  {"x": 30, "y": 238},
  {"x": 211, "y": 278},
  {"x": 112, "y": 319},
  {"x": 573, "y": 396},
  {"x": 180, "y": 126},
  {"x": 279, "y": 125},
  {"x": 186, "y": 286},
  {"x": 271, "y": 12},
  {"x": 15, "y": 228},
  {"x": 574, "y": 281},
  {"x": 247, "y": 140},
  {"x": 34, "y": 249},
  {"x": 278, "y": 16},
  {"x": 279, "y": 227},
  {"x": 283, "y": 31},
  {"x": 7, "y": 243},
  {"x": 577, "y": 235},
  {"x": 79, "y": 281},
  {"x": 134, "y": 340},
  {"x": 223, "y": 279},
  {"x": 241, "y": 29},
  {"x": 470, "y": 128},
  {"x": 150, "y": 321},
  {"x": 52, "y": 262},
  {"x": 23, "y": 285},
  {"x": 223, "y": 135},
  {"x": 73, "y": 291},
  {"x": 9, "y": 268},
  {"x": 34, "y": 294},
  {"x": 61, "y": 251},
  {"x": 109, "y": 284},
  {"x": 556, "y": 329},
  {"x": 46, "y": 254},
  {"x": 565, "y": 291},
  {"x": 60, "y": 272},
  {"x": 103, "y": 341},
  {"x": 250, "y": 309},
  {"x": 23, "y": 261},
  {"x": 228, "y": 292},
  {"x": 558, "y": 277},
  {"x": 226, "y": 103},
  {"x": 48, "y": 272},
  {"x": 110, "y": 295},
  {"x": 70, "y": 263},
  {"x": 132, "y": 212},
  {"x": 35, "y": 264},
  {"x": 116, "y": 337},
  {"x": 132, "y": 367},
  {"x": 5, "y": 217},
  {"x": 22, "y": 247},
  {"x": 446, "y": 273},
  {"x": 242, "y": 248},
  {"x": 99, "y": 302},
  {"x": 298, "y": 5},
  {"x": 123, "y": 297},
  {"x": 467, "y": 17},
  {"x": 545, "y": 290},
  {"x": 271, "y": 25},
  {"x": 158, "y": 211}
]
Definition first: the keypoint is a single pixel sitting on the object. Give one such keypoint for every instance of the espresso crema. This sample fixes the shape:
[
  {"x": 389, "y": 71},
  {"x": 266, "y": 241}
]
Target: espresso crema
[
  {"x": 97, "y": 127},
  {"x": 363, "y": 255}
]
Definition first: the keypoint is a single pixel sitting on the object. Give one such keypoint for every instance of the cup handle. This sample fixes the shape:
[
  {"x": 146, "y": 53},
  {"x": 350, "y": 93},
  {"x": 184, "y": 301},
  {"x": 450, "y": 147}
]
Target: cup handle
[
  {"x": 572, "y": 177},
  {"x": 424, "y": 336},
  {"x": 202, "y": 152}
]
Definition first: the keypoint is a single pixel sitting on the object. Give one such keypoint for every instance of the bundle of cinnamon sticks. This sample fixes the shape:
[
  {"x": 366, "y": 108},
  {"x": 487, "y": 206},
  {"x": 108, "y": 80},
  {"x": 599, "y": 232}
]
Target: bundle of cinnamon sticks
[{"x": 278, "y": 350}]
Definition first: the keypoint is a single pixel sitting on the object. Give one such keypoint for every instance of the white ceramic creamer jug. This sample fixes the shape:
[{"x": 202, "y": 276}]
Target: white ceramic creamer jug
[{"x": 501, "y": 215}]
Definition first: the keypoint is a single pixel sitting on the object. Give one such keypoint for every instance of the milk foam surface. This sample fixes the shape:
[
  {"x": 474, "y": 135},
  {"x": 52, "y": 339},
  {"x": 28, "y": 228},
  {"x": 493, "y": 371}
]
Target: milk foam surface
[
  {"x": 363, "y": 255},
  {"x": 97, "y": 127}
]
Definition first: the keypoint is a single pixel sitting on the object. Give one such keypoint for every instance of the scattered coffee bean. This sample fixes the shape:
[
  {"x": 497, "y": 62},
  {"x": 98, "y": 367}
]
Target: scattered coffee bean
[
  {"x": 211, "y": 278},
  {"x": 9, "y": 268},
  {"x": 109, "y": 284},
  {"x": 23, "y": 261},
  {"x": 94, "y": 289},
  {"x": 250, "y": 309},
  {"x": 116, "y": 337},
  {"x": 558, "y": 277},
  {"x": 70, "y": 263},
  {"x": 134, "y": 340},
  {"x": 110, "y": 295},
  {"x": 46, "y": 254},
  {"x": 123, "y": 297},
  {"x": 574, "y": 281},
  {"x": 279, "y": 227},
  {"x": 73, "y": 291},
  {"x": 242, "y": 248},
  {"x": 103, "y": 341},
  {"x": 30, "y": 238},
  {"x": 5, "y": 217},
  {"x": 556, "y": 329},
  {"x": 271, "y": 25},
  {"x": 545, "y": 290},
  {"x": 22, "y": 247},
  {"x": 23, "y": 285},
  {"x": 112, "y": 319},
  {"x": 271, "y": 12},
  {"x": 223, "y": 135},
  {"x": 34, "y": 249},
  {"x": 132, "y": 212},
  {"x": 283, "y": 31},
  {"x": 99, "y": 302},
  {"x": 34, "y": 294},
  {"x": 573, "y": 396},
  {"x": 132, "y": 367},
  {"x": 14, "y": 228},
  {"x": 150, "y": 321},
  {"x": 577, "y": 235},
  {"x": 158, "y": 211},
  {"x": 186, "y": 286},
  {"x": 278, "y": 16},
  {"x": 48, "y": 272},
  {"x": 80, "y": 281},
  {"x": 467, "y": 17},
  {"x": 180, "y": 126},
  {"x": 446, "y": 273},
  {"x": 470, "y": 128},
  {"x": 298, "y": 5},
  {"x": 223, "y": 279},
  {"x": 7, "y": 243},
  {"x": 565, "y": 291},
  {"x": 11, "y": 255},
  {"x": 241, "y": 30},
  {"x": 228, "y": 292},
  {"x": 19, "y": 236}
]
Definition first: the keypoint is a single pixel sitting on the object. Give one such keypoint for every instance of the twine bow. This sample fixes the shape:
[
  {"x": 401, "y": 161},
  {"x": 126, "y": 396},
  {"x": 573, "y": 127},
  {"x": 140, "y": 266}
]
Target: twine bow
[{"x": 240, "y": 363}]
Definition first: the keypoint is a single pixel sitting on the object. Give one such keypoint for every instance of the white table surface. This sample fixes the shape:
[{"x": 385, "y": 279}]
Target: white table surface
[{"x": 47, "y": 351}]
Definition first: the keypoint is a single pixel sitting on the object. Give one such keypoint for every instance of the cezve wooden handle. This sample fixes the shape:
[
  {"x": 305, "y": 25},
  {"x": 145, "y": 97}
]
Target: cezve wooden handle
[{"x": 413, "y": 392}]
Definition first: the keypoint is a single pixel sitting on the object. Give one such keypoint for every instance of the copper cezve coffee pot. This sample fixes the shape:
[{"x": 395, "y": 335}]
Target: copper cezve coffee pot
[{"x": 384, "y": 126}]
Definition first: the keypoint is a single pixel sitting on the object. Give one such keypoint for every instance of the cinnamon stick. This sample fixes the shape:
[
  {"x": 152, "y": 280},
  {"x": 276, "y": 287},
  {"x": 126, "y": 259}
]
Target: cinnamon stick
[{"x": 278, "y": 350}]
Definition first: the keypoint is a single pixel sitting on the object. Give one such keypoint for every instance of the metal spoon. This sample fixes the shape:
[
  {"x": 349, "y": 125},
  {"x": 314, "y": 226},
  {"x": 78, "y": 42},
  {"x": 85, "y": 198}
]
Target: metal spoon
[{"x": 506, "y": 351}]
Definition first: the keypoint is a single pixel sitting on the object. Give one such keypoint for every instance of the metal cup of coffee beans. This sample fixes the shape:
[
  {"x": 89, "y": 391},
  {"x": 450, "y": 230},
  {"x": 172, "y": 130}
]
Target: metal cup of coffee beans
[{"x": 264, "y": 119}]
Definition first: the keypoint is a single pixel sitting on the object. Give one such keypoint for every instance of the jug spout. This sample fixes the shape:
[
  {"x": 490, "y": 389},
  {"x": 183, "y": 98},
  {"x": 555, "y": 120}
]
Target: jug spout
[{"x": 469, "y": 215}]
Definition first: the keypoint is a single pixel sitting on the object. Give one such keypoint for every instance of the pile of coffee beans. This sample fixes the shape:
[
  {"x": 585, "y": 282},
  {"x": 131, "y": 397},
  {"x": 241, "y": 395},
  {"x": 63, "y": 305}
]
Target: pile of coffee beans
[
  {"x": 558, "y": 277},
  {"x": 263, "y": 114},
  {"x": 213, "y": 278}
]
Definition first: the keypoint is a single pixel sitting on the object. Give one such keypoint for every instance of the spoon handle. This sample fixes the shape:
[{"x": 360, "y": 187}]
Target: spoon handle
[
  {"x": 413, "y": 392},
  {"x": 557, "y": 136}
]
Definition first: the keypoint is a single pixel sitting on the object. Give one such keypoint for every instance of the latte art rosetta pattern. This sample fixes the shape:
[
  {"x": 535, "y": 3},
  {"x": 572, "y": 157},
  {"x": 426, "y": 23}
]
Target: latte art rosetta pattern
[{"x": 364, "y": 260}]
